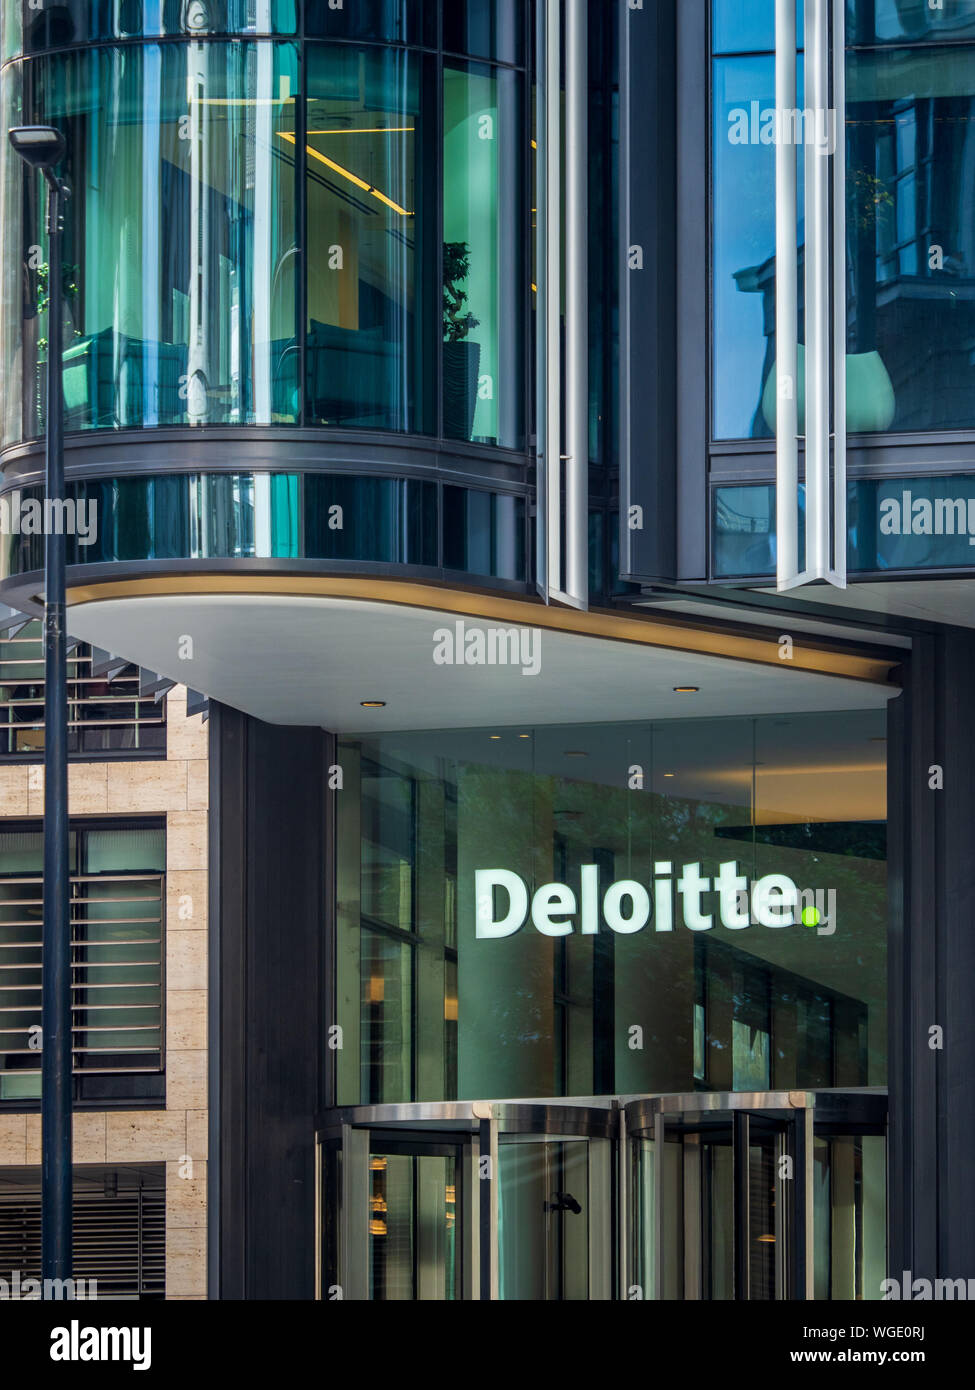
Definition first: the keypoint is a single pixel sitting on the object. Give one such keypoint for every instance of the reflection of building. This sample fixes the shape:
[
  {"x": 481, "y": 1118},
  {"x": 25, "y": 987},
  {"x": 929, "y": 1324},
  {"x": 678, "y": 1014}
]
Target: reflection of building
[{"x": 344, "y": 310}]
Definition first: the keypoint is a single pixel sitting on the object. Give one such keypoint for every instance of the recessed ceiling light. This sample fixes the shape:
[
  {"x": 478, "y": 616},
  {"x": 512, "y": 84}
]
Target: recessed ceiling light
[
  {"x": 575, "y": 753},
  {"x": 494, "y": 735},
  {"x": 686, "y": 689},
  {"x": 524, "y": 735},
  {"x": 373, "y": 704},
  {"x": 670, "y": 774}
]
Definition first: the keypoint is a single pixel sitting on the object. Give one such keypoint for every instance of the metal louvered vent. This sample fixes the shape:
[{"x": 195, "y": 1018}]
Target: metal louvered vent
[
  {"x": 116, "y": 975},
  {"x": 119, "y": 1233}
]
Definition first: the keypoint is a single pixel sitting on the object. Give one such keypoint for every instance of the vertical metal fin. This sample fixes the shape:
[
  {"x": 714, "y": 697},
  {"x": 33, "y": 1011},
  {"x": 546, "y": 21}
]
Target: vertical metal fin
[{"x": 786, "y": 307}]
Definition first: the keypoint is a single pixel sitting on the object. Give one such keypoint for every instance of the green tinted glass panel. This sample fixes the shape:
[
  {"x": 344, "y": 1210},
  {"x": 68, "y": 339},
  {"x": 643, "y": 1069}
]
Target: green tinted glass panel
[
  {"x": 484, "y": 236},
  {"x": 73, "y": 22},
  {"x": 11, "y": 29},
  {"x": 179, "y": 254},
  {"x": 674, "y": 940},
  {"x": 12, "y": 303},
  {"x": 370, "y": 219},
  {"x": 386, "y": 1019}
]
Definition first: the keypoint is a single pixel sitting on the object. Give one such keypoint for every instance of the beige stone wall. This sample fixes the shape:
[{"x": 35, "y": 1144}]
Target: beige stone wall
[{"x": 176, "y": 1136}]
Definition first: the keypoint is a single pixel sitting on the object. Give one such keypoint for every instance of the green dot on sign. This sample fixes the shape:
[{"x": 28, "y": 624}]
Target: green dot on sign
[{"x": 810, "y": 916}]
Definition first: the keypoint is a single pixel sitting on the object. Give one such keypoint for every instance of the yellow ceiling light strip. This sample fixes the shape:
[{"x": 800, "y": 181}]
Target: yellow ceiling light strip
[
  {"x": 670, "y": 634},
  {"x": 347, "y": 174},
  {"x": 366, "y": 130}
]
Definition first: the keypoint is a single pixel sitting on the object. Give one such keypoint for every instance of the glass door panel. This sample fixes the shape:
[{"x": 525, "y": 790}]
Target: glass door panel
[
  {"x": 718, "y": 1216},
  {"x": 413, "y": 1232},
  {"x": 458, "y": 1200},
  {"x": 543, "y": 1219},
  {"x": 765, "y": 1232},
  {"x": 850, "y": 1185},
  {"x": 749, "y": 1185}
]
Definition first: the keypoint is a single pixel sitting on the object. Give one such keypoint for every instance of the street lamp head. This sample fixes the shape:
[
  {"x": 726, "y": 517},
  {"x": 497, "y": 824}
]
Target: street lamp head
[{"x": 41, "y": 146}]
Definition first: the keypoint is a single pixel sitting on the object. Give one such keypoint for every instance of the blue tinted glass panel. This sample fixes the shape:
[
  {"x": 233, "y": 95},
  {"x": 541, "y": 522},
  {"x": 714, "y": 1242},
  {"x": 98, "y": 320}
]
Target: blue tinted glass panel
[
  {"x": 907, "y": 524},
  {"x": 372, "y": 519},
  {"x": 485, "y": 29},
  {"x": 743, "y": 253},
  {"x": 746, "y": 26},
  {"x": 389, "y": 21},
  {"x": 484, "y": 533},
  {"x": 910, "y": 21},
  {"x": 911, "y": 244}
]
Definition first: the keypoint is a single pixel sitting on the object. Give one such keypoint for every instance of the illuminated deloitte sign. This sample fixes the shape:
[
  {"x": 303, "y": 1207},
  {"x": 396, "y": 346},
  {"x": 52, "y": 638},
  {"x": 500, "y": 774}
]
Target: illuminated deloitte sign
[{"x": 627, "y": 907}]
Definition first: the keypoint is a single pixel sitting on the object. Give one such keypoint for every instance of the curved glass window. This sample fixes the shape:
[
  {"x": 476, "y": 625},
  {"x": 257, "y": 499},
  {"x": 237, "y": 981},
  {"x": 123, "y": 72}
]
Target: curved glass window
[
  {"x": 524, "y": 923},
  {"x": 486, "y": 29},
  {"x": 180, "y": 245},
  {"x": 389, "y": 21},
  {"x": 231, "y": 516},
  {"x": 484, "y": 236},
  {"x": 11, "y": 30},
  {"x": 71, "y": 22},
  {"x": 390, "y": 519},
  {"x": 371, "y": 209},
  {"x": 15, "y": 289},
  {"x": 910, "y": 143},
  {"x": 258, "y": 234},
  {"x": 484, "y": 533}
]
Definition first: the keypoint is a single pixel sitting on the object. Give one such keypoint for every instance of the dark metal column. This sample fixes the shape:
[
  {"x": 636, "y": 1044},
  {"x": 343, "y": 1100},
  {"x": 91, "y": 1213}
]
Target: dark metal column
[
  {"x": 56, "y": 1072},
  {"x": 742, "y": 1221},
  {"x": 44, "y": 148}
]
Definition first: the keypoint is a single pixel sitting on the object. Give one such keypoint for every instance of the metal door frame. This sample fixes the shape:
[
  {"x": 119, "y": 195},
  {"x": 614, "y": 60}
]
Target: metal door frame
[
  {"x": 796, "y": 1115},
  {"x": 475, "y": 1129}
]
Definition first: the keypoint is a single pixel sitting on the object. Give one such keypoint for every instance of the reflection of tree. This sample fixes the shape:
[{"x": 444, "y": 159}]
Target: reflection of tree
[
  {"x": 870, "y": 198},
  {"x": 457, "y": 319},
  {"x": 69, "y": 287}
]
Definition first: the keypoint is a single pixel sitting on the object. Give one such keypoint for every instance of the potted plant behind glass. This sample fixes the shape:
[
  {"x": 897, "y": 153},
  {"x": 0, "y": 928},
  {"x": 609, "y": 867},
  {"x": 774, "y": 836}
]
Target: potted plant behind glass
[{"x": 461, "y": 358}]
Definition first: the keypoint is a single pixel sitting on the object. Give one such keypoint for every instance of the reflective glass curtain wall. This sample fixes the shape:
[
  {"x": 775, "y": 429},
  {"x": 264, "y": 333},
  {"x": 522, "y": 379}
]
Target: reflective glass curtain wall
[
  {"x": 275, "y": 232},
  {"x": 910, "y": 149},
  {"x": 433, "y": 1009}
]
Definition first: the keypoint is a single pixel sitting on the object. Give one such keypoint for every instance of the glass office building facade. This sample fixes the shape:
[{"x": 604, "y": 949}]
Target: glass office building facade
[{"x": 580, "y": 904}]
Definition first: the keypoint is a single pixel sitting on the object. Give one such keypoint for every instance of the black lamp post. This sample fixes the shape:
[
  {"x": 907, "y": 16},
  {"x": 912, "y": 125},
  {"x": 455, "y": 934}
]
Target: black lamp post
[{"x": 43, "y": 147}]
